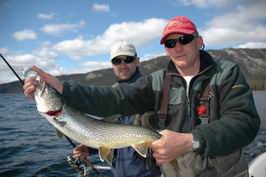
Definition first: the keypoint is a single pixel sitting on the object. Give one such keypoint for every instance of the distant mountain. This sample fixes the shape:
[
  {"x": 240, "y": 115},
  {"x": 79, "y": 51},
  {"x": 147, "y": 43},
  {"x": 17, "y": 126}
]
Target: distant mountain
[{"x": 251, "y": 61}]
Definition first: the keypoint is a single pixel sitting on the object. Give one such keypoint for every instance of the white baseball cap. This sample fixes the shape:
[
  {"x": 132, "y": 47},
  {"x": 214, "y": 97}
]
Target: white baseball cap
[{"x": 122, "y": 48}]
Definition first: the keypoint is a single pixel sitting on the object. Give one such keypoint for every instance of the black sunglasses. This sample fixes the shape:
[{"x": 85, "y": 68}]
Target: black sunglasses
[
  {"x": 183, "y": 40},
  {"x": 126, "y": 59}
]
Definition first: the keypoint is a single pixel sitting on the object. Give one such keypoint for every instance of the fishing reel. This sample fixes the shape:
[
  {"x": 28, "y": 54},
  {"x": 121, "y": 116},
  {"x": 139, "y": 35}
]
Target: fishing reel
[{"x": 77, "y": 165}]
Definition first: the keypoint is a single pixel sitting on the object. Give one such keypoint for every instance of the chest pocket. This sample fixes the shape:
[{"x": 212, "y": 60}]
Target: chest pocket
[{"x": 175, "y": 96}]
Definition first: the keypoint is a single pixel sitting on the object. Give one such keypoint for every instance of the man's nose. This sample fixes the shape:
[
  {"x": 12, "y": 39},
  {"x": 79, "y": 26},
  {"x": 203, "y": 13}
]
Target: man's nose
[
  {"x": 178, "y": 46},
  {"x": 123, "y": 62}
]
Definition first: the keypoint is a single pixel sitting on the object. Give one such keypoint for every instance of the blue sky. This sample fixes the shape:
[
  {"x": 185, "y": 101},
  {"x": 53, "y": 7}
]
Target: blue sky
[{"x": 74, "y": 36}]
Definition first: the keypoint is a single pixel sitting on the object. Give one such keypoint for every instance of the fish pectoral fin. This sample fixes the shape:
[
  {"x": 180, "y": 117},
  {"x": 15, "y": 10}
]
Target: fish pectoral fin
[
  {"x": 59, "y": 134},
  {"x": 106, "y": 154},
  {"x": 141, "y": 148},
  {"x": 109, "y": 157}
]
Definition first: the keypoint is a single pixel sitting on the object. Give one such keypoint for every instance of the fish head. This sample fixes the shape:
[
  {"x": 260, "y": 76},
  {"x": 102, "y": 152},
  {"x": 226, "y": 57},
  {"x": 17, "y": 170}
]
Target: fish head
[{"x": 47, "y": 99}]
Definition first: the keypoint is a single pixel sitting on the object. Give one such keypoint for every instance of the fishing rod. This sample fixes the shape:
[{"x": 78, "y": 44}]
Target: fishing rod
[
  {"x": 11, "y": 68},
  {"x": 69, "y": 159}
]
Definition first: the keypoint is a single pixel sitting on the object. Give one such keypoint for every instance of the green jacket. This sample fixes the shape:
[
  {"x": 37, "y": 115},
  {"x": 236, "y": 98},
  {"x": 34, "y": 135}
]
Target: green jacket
[{"x": 232, "y": 118}]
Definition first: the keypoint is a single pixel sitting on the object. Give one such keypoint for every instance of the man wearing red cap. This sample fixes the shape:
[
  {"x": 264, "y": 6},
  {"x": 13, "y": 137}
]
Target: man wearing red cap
[{"x": 211, "y": 113}]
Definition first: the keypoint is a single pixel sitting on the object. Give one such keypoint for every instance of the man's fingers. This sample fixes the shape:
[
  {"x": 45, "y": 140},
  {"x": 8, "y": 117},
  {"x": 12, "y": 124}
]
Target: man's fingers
[
  {"x": 49, "y": 79},
  {"x": 40, "y": 72},
  {"x": 29, "y": 90},
  {"x": 30, "y": 79},
  {"x": 76, "y": 149},
  {"x": 44, "y": 75},
  {"x": 156, "y": 144},
  {"x": 159, "y": 158},
  {"x": 29, "y": 87}
]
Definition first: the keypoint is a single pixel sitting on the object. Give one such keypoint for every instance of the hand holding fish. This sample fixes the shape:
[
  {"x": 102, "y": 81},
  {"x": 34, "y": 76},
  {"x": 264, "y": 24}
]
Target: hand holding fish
[
  {"x": 81, "y": 152},
  {"x": 30, "y": 83},
  {"x": 170, "y": 146}
]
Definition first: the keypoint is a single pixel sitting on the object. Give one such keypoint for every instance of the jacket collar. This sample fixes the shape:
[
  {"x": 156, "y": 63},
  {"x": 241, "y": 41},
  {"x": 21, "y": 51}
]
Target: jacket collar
[{"x": 206, "y": 62}]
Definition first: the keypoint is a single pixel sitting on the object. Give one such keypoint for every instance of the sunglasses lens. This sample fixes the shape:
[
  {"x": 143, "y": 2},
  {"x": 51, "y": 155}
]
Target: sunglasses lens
[
  {"x": 116, "y": 61},
  {"x": 185, "y": 39},
  {"x": 129, "y": 59},
  {"x": 170, "y": 43},
  {"x": 126, "y": 59}
]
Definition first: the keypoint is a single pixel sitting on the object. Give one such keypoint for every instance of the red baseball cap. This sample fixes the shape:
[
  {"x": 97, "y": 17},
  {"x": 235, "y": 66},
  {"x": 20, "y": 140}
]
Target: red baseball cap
[{"x": 178, "y": 24}]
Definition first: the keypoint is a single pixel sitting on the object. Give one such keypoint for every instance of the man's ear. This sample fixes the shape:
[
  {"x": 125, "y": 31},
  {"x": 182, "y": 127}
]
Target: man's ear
[
  {"x": 137, "y": 61},
  {"x": 200, "y": 42}
]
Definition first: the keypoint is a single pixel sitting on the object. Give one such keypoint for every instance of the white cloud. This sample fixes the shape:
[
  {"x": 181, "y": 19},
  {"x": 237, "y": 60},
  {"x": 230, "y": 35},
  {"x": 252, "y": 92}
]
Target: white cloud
[
  {"x": 25, "y": 35},
  {"x": 59, "y": 29},
  {"x": 42, "y": 57},
  {"x": 101, "y": 7},
  {"x": 47, "y": 16},
  {"x": 95, "y": 65},
  {"x": 7, "y": 76},
  {"x": 17, "y": 62},
  {"x": 75, "y": 48},
  {"x": 139, "y": 33},
  {"x": 83, "y": 68},
  {"x": 47, "y": 55},
  {"x": 149, "y": 56},
  {"x": 252, "y": 45},
  {"x": 3, "y": 50},
  {"x": 206, "y": 3},
  {"x": 245, "y": 25}
]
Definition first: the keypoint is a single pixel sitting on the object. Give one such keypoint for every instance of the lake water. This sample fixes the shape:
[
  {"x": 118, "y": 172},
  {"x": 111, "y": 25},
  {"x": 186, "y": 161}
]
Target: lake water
[{"x": 30, "y": 147}]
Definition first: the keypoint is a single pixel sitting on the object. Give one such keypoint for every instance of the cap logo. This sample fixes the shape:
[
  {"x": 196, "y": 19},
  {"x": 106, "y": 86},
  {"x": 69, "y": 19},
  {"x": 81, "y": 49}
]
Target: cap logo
[
  {"x": 172, "y": 24},
  {"x": 122, "y": 48}
]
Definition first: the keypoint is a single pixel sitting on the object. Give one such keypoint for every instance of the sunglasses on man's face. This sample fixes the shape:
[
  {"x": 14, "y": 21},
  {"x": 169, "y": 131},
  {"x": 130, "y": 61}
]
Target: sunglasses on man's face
[
  {"x": 126, "y": 59},
  {"x": 183, "y": 40}
]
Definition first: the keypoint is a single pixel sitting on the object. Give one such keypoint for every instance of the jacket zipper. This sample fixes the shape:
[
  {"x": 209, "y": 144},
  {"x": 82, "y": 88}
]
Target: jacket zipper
[{"x": 189, "y": 96}]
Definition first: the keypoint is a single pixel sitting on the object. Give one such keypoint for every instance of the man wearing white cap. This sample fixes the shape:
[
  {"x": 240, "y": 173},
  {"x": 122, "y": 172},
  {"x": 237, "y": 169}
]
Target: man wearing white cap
[
  {"x": 123, "y": 57},
  {"x": 126, "y": 162}
]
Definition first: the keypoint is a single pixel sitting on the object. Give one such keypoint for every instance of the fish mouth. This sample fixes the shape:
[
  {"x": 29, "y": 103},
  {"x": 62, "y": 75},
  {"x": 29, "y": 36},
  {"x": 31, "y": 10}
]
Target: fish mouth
[{"x": 55, "y": 112}]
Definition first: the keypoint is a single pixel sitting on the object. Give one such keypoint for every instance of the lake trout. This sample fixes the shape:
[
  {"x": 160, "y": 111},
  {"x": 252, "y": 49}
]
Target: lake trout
[{"x": 86, "y": 130}]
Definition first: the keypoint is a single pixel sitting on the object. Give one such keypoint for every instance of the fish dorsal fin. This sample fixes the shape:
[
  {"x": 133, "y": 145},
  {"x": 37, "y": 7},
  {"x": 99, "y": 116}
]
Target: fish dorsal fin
[
  {"x": 106, "y": 154},
  {"x": 59, "y": 134},
  {"x": 141, "y": 148}
]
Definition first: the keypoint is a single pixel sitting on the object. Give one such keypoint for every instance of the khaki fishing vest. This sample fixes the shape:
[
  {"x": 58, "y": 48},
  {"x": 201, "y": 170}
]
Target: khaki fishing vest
[{"x": 194, "y": 165}]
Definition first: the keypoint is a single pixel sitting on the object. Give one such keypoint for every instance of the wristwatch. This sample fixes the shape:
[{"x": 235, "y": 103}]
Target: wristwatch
[{"x": 195, "y": 143}]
